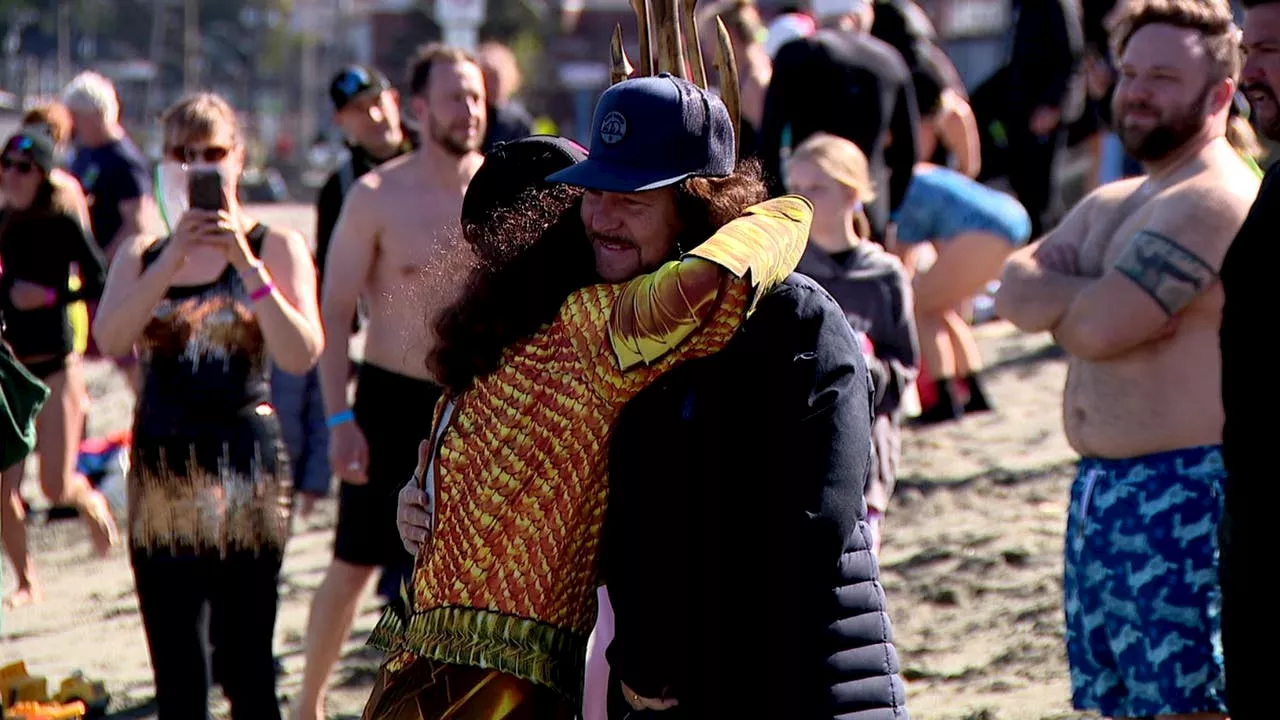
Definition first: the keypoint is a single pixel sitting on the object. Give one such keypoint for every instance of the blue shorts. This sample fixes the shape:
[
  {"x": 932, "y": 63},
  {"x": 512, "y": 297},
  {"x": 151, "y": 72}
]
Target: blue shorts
[
  {"x": 942, "y": 204},
  {"x": 1141, "y": 585}
]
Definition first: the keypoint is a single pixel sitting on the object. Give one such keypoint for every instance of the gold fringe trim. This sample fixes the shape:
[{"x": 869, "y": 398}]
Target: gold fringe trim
[{"x": 528, "y": 649}]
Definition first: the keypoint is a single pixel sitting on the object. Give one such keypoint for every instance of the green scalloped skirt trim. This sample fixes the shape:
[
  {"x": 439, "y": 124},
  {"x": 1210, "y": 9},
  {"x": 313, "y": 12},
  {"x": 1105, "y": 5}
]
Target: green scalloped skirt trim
[{"x": 528, "y": 649}]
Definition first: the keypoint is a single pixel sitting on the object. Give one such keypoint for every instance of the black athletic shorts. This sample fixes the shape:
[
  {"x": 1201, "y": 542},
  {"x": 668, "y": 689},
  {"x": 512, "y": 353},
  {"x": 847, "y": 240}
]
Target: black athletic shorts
[{"x": 394, "y": 412}]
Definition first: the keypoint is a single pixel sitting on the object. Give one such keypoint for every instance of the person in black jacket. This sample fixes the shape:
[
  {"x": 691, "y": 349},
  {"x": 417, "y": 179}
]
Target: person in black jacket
[
  {"x": 872, "y": 287},
  {"x": 843, "y": 81},
  {"x": 367, "y": 109},
  {"x": 1034, "y": 110},
  {"x": 735, "y": 547},
  {"x": 1248, "y": 440},
  {"x": 508, "y": 118}
]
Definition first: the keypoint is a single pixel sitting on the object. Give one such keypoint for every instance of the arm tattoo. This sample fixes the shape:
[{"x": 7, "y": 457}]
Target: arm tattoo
[{"x": 1172, "y": 275}]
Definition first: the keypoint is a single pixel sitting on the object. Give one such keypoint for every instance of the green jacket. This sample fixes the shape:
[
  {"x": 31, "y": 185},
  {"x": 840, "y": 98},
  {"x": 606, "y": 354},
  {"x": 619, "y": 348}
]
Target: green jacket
[{"x": 21, "y": 398}]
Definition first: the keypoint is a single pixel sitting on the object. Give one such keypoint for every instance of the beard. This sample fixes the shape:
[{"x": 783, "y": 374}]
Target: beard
[
  {"x": 1173, "y": 130},
  {"x": 1265, "y": 109},
  {"x": 455, "y": 142}
]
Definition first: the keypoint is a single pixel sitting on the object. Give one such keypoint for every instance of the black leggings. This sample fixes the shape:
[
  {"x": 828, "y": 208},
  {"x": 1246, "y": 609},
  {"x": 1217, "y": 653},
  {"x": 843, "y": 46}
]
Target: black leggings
[{"x": 178, "y": 595}]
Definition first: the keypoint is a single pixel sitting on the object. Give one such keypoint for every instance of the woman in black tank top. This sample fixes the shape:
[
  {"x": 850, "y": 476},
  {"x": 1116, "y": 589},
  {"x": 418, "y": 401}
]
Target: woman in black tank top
[
  {"x": 210, "y": 308},
  {"x": 43, "y": 244}
]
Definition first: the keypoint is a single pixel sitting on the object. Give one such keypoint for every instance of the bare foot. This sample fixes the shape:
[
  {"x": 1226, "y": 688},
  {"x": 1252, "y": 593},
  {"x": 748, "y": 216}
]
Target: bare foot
[
  {"x": 29, "y": 595},
  {"x": 102, "y": 525}
]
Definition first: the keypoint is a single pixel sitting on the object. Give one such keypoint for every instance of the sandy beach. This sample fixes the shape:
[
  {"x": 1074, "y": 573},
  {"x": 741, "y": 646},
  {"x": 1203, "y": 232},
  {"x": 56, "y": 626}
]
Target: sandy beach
[{"x": 972, "y": 563}]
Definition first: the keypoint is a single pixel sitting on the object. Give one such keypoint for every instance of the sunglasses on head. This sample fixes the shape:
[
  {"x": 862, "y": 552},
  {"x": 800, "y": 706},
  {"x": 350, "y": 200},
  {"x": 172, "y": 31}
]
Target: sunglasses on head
[
  {"x": 189, "y": 154},
  {"x": 22, "y": 165}
]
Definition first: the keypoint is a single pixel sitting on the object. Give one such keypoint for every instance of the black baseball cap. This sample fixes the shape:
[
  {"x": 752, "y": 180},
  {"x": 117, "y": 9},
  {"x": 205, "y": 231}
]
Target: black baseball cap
[
  {"x": 651, "y": 132},
  {"x": 513, "y": 168},
  {"x": 35, "y": 145},
  {"x": 353, "y": 81}
]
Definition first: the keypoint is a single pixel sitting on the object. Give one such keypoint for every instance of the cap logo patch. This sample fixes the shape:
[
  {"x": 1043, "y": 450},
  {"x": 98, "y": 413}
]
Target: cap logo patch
[{"x": 613, "y": 128}]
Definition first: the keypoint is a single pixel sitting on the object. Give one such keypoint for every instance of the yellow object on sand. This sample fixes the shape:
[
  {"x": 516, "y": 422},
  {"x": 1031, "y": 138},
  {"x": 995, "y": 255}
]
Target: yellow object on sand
[
  {"x": 78, "y": 314},
  {"x": 46, "y": 711}
]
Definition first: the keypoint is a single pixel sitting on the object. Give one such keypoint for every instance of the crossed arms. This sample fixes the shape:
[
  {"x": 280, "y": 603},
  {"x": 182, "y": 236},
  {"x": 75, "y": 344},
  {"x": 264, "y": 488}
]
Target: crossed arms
[{"x": 1163, "y": 267}]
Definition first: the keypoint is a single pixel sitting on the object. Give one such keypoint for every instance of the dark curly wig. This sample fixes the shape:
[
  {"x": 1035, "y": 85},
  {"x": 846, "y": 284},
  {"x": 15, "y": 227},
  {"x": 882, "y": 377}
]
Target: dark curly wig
[{"x": 532, "y": 254}]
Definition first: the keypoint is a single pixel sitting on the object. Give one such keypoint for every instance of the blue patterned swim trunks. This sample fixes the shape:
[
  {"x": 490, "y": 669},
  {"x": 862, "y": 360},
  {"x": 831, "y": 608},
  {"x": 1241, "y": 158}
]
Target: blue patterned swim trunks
[{"x": 1141, "y": 584}]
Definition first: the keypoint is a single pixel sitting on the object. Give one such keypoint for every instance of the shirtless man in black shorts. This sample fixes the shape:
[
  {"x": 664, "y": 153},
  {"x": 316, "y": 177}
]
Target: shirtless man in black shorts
[{"x": 396, "y": 246}]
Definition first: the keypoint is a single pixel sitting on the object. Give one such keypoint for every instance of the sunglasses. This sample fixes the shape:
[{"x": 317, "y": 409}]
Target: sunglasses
[
  {"x": 21, "y": 165},
  {"x": 188, "y": 155}
]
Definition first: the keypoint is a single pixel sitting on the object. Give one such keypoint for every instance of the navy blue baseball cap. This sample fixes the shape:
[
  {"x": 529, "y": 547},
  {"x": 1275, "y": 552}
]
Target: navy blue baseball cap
[
  {"x": 353, "y": 81},
  {"x": 651, "y": 132}
]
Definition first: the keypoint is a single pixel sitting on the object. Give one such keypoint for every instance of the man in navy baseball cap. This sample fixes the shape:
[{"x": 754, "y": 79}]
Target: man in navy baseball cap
[
  {"x": 651, "y": 132},
  {"x": 662, "y": 176},
  {"x": 651, "y": 136}
]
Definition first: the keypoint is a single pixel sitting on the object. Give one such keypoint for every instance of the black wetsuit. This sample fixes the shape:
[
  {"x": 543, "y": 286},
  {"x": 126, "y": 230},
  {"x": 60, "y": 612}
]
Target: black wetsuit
[
  {"x": 851, "y": 85},
  {"x": 41, "y": 247}
]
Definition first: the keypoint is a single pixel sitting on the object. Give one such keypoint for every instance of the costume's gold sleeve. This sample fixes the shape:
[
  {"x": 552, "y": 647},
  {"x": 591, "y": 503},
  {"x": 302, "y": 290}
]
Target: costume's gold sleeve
[{"x": 655, "y": 312}]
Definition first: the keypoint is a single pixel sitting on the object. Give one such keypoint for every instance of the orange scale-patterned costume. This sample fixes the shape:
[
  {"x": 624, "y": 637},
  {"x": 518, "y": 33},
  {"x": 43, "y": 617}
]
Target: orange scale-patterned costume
[{"x": 519, "y": 479}]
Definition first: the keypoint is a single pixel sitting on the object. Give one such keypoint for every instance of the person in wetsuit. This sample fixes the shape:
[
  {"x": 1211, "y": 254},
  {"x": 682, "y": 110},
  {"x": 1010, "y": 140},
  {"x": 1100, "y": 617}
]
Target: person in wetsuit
[
  {"x": 212, "y": 308},
  {"x": 843, "y": 81},
  {"x": 42, "y": 245}
]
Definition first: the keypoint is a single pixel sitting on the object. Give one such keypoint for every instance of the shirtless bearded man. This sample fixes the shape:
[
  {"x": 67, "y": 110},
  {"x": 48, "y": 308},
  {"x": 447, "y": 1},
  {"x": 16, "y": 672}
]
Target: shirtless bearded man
[
  {"x": 1128, "y": 285},
  {"x": 396, "y": 245}
]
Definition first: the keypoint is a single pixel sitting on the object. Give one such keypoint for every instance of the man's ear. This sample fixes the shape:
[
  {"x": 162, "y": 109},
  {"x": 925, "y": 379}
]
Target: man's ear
[
  {"x": 418, "y": 104},
  {"x": 1223, "y": 95}
]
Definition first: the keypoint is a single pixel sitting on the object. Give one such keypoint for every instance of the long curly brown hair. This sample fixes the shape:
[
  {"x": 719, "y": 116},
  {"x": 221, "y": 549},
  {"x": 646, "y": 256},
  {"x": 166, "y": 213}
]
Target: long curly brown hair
[
  {"x": 533, "y": 253},
  {"x": 531, "y": 256}
]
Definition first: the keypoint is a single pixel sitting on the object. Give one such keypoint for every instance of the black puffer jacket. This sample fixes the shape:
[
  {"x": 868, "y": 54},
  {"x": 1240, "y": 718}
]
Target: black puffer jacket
[{"x": 735, "y": 544}]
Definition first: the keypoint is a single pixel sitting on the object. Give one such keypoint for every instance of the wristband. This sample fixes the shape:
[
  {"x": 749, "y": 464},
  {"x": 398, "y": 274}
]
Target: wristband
[
  {"x": 341, "y": 418},
  {"x": 266, "y": 289},
  {"x": 50, "y": 297}
]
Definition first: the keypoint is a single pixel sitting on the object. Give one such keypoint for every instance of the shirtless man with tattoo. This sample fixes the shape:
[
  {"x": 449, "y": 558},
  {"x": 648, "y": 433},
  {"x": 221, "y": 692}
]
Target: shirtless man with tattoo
[
  {"x": 397, "y": 245},
  {"x": 1128, "y": 286}
]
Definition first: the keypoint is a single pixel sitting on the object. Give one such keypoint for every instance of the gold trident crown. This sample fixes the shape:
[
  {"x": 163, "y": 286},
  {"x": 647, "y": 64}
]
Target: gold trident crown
[{"x": 659, "y": 21}]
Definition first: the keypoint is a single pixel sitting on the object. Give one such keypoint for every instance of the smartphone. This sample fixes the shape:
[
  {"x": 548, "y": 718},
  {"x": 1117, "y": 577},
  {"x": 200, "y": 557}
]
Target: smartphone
[{"x": 204, "y": 189}]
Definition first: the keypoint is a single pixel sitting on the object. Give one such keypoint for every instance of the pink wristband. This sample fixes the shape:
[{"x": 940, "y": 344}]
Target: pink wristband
[
  {"x": 262, "y": 292},
  {"x": 50, "y": 297}
]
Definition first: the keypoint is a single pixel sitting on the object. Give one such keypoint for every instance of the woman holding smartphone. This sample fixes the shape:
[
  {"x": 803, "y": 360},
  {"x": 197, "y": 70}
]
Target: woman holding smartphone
[{"x": 210, "y": 307}]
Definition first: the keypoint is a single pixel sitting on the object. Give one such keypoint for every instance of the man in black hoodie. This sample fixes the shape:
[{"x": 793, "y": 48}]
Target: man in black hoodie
[
  {"x": 843, "y": 81},
  {"x": 1249, "y": 440}
]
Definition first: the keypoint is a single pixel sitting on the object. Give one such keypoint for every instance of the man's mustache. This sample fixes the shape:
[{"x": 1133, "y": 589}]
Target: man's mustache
[
  {"x": 612, "y": 239},
  {"x": 1250, "y": 88}
]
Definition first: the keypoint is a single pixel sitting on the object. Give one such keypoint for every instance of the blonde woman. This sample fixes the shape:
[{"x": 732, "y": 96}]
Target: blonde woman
[
  {"x": 211, "y": 308},
  {"x": 870, "y": 285}
]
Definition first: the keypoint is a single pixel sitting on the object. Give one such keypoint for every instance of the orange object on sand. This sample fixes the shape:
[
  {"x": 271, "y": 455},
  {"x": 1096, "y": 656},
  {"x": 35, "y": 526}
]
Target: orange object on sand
[{"x": 46, "y": 711}]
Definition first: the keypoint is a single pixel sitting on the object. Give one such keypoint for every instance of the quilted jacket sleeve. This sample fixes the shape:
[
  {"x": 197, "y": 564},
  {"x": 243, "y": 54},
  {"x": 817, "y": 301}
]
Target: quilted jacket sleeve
[{"x": 828, "y": 403}]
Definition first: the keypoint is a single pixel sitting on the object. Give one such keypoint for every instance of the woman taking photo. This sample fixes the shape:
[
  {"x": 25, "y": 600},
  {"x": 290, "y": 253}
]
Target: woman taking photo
[
  {"x": 210, "y": 307},
  {"x": 870, "y": 285},
  {"x": 41, "y": 240}
]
